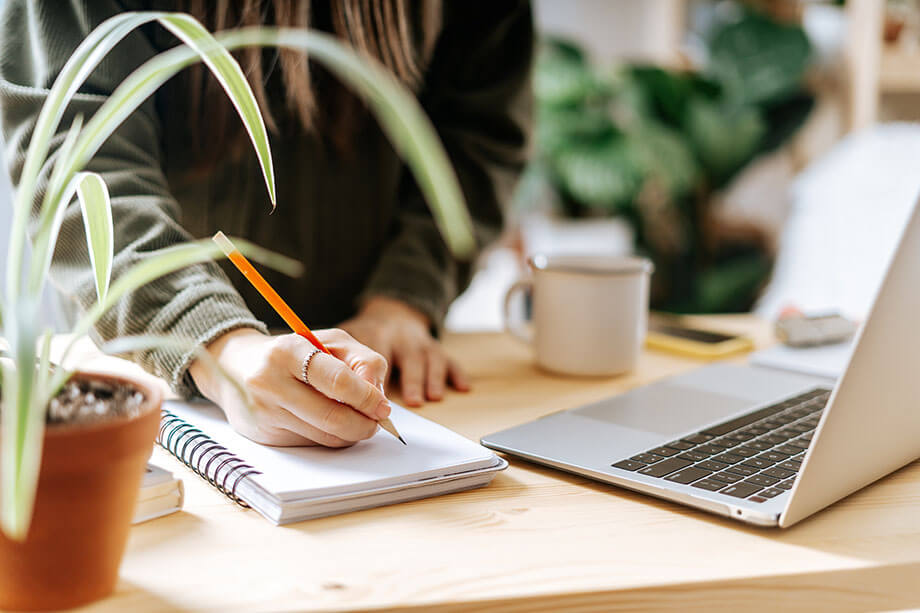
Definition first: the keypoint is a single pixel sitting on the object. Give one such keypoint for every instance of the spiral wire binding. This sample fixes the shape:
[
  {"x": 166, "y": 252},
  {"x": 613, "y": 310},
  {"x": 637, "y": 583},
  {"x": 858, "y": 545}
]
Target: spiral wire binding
[{"x": 177, "y": 436}]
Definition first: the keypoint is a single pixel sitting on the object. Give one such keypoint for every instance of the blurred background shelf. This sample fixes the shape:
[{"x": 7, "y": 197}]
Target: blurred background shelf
[{"x": 899, "y": 71}]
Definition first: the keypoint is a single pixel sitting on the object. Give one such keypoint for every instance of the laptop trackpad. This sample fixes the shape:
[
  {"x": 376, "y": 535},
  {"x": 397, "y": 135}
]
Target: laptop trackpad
[{"x": 665, "y": 409}]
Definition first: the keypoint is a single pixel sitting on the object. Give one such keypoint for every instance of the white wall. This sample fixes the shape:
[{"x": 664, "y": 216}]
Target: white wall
[{"x": 617, "y": 29}]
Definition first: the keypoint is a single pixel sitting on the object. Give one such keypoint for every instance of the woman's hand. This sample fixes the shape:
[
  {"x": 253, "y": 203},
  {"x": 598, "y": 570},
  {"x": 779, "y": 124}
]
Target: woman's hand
[
  {"x": 402, "y": 335},
  {"x": 339, "y": 407}
]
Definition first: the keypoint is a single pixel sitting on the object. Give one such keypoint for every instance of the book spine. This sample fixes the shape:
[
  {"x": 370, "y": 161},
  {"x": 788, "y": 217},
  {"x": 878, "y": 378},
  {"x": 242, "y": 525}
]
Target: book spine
[{"x": 204, "y": 456}]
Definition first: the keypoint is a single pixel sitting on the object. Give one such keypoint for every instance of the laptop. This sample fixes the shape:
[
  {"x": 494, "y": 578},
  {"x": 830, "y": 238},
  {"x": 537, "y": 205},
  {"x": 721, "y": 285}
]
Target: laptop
[{"x": 762, "y": 446}]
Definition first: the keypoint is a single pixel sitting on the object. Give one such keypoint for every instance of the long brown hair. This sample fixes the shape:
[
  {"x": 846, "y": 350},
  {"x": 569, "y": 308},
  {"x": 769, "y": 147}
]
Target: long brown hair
[{"x": 398, "y": 33}]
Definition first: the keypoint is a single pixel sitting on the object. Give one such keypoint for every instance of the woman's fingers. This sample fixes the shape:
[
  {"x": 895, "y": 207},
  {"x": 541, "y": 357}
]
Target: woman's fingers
[
  {"x": 331, "y": 377},
  {"x": 436, "y": 375},
  {"x": 321, "y": 413},
  {"x": 412, "y": 375},
  {"x": 334, "y": 379},
  {"x": 364, "y": 361},
  {"x": 457, "y": 377},
  {"x": 301, "y": 429}
]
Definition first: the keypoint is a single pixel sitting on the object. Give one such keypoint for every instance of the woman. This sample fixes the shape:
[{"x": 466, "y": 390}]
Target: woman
[{"x": 375, "y": 263}]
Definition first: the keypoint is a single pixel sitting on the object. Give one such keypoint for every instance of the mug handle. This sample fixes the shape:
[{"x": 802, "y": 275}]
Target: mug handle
[{"x": 516, "y": 330}]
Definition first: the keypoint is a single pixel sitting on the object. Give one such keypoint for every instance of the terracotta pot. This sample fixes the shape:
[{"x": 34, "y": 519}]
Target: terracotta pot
[{"x": 88, "y": 486}]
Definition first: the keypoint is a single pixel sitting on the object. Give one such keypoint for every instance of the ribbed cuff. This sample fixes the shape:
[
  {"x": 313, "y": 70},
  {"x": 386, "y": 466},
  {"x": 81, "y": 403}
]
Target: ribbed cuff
[{"x": 200, "y": 321}]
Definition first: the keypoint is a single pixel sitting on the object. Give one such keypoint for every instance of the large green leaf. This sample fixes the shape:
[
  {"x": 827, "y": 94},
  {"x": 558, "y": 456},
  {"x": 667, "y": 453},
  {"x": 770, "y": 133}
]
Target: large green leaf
[
  {"x": 759, "y": 60},
  {"x": 601, "y": 176},
  {"x": 725, "y": 138},
  {"x": 666, "y": 157},
  {"x": 100, "y": 235}
]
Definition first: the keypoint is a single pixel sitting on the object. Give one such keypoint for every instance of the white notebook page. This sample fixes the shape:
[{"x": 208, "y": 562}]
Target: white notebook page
[{"x": 290, "y": 473}]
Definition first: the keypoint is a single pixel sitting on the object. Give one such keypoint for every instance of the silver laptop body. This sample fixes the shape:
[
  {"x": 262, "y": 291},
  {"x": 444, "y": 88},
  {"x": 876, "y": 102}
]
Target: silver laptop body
[{"x": 869, "y": 428}]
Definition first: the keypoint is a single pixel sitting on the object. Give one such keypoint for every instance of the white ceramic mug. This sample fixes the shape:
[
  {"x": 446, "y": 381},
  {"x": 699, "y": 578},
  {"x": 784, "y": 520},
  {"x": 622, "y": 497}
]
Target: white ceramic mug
[{"x": 590, "y": 313}]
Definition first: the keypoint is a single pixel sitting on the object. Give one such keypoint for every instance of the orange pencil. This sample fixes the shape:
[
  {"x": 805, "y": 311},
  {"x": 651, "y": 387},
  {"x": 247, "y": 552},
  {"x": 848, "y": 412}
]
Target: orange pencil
[{"x": 281, "y": 307}]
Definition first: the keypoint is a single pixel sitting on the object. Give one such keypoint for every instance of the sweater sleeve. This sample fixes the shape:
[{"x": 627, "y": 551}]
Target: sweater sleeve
[
  {"x": 477, "y": 93},
  {"x": 197, "y": 303}
]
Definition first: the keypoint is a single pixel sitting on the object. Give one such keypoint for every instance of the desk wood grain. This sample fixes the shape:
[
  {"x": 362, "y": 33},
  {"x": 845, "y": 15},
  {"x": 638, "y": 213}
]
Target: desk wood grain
[{"x": 535, "y": 540}]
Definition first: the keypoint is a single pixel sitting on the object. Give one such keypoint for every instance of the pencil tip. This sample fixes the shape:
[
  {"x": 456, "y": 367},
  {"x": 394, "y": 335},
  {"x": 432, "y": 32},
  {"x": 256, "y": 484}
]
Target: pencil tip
[{"x": 401, "y": 440}]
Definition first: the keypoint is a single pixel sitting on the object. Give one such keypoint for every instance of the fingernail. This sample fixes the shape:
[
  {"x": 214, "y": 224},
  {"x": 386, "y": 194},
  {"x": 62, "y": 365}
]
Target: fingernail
[{"x": 383, "y": 409}]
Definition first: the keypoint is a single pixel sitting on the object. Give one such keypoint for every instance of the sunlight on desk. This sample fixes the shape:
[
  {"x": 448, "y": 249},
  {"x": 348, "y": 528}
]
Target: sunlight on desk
[{"x": 536, "y": 539}]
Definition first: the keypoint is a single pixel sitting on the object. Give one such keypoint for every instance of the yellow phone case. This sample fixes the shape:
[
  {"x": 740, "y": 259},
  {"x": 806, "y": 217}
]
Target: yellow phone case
[{"x": 697, "y": 349}]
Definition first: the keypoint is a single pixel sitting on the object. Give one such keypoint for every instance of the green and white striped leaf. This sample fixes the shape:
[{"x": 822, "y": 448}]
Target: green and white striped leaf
[
  {"x": 76, "y": 70},
  {"x": 201, "y": 45},
  {"x": 100, "y": 234},
  {"x": 22, "y": 425}
]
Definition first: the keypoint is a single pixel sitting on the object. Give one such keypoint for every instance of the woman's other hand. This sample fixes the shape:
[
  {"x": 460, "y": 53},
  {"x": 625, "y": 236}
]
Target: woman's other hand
[
  {"x": 339, "y": 407},
  {"x": 402, "y": 335}
]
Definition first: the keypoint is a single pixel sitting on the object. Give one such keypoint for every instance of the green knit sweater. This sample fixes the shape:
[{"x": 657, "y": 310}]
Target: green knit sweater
[{"x": 356, "y": 220}]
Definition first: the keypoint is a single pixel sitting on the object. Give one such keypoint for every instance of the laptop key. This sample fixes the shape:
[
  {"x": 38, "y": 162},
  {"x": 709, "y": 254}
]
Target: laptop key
[
  {"x": 746, "y": 452},
  {"x": 729, "y": 457},
  {"x": 771, "y": 492},
  {"x": 665, "y": 467},
  {"x": 779, "y": 473},
  {"x": 693, "y": 456},
  {"x": 665, "y": 451},
  {"x": 799, "y": 443},
  {"x": 787, "y": 449},
  {"x": 628, "y": 465},
  {"x": 774, "y": 456},
  {"x": 711, "y": 465},
  {"x": 680, "y": 445},
  {"x": 787, "y": 484},
  {"x": 740, "y": 436},
  {"x": 741, "y": 469},
  {"x": 741, "y": 490},
  {"x": 740, "y": 422},
  {"x": 709, "y": 484},
  {"x": 647, "y": 458},
  {"x": 793, "y": 465},
  {"x": 708, "y": 449},
  {"x": 698, "y": 439},
  {"x": 759, "y": 445},
  {"x": 771, "y": 439},
  {"x": 762, "y": 480},
  {"x": 757, "y": 463},
  {"x": 724, "y": 442},
  {"x": 727, "y": 477},
  {"x": 688, "y": 475}
]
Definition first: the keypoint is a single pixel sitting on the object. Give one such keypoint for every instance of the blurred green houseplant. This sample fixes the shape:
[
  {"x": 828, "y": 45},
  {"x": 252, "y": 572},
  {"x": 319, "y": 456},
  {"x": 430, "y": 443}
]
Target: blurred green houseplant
[
  {"x": 652, "y": 145},
  {"x": 29, "y": 380}
]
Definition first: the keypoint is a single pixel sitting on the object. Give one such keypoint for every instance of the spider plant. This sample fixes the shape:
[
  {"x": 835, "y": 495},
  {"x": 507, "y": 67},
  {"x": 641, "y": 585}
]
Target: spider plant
[{"x": 29, "y": 380}]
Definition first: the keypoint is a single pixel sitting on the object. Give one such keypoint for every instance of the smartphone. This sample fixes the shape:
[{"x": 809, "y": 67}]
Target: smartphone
[{"x": 671, "y": 335}]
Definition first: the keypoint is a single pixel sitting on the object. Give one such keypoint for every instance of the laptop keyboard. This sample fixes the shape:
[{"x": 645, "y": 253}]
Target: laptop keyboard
[{"x": 755, "y": 456}]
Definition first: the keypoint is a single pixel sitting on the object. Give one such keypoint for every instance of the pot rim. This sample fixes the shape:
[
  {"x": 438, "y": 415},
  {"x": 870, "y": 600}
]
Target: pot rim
[{"x": 153, "y": 399}]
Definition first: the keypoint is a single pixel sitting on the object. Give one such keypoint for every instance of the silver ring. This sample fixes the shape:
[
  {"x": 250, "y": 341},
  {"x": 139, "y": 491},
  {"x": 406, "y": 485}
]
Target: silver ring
[{"x": 306, "y": 366}]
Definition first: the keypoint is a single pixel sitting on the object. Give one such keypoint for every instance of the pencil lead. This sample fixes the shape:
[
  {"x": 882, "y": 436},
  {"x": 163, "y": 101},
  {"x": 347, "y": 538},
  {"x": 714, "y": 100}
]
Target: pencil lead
[{"x": 401, "y": 440}]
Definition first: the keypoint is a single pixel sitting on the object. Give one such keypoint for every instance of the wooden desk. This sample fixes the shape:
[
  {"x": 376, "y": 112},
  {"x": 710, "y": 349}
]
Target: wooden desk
[{"x": 536, "y": 539}]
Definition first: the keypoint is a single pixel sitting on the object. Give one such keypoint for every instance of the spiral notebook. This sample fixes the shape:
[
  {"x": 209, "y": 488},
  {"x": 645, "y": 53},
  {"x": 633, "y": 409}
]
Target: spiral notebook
[{"x": 288, "y": 484}]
